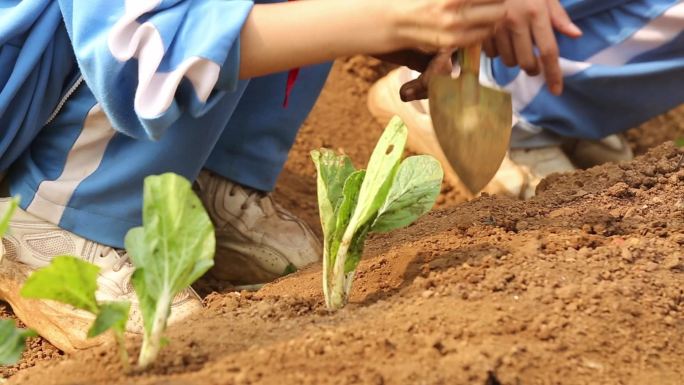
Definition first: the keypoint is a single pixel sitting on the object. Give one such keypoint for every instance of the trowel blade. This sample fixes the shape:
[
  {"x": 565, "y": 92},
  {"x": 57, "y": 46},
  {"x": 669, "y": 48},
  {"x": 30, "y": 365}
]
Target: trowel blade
[{"x": 473, "y": 136}]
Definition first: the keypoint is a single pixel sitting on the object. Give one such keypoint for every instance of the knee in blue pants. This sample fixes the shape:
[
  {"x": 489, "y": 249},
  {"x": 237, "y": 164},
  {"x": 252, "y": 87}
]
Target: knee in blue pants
[{"x": 86, "y": 177}]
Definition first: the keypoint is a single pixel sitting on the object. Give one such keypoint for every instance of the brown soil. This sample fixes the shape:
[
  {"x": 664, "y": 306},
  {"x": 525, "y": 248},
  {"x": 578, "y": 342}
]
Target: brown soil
[
  {"x": 38, "y": 349},
  {"x": 669, "y": 126},
  {"x": 580, "y": 285}
]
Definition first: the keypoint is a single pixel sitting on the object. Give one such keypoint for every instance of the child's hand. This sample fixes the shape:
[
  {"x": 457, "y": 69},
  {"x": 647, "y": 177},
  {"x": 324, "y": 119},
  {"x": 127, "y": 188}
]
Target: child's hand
[
  {"x": 280, "y": 36},
  {"x": 415, "y": 60},
  {"x": 444, "y": 25},
  {"x": 530, "y": 24}
]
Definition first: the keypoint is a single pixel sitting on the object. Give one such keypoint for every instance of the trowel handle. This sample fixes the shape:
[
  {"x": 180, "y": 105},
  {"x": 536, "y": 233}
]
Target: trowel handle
[{"x": 469, "y": 59}]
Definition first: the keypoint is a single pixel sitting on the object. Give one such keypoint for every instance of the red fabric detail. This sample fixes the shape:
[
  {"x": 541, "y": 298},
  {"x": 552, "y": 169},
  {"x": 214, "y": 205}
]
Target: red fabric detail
[{"x": 291, "y": 80}]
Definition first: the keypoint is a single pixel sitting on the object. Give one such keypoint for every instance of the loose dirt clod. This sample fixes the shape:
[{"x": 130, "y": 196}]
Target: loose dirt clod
[{"x": 580, "y": 285}]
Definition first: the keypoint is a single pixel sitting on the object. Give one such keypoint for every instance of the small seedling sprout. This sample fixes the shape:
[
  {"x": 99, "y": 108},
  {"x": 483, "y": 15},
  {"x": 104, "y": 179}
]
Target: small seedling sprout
[
  {"x": 174, "y": 247},
  {"x": 12, "y": 339},
  {"x": 390, "y": 194},
  {"x": 12, "y": 342},
  {"x": 73, "y": 281}
]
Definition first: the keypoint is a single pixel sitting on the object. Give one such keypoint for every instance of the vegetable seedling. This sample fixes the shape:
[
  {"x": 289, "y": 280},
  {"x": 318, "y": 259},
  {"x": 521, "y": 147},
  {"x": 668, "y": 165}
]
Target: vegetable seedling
[
  {"x": 73, "y": 281},
  {"x": 352, "y": 203},
  {"x": 174, "y": 247},
  {"x": 12, "y": 339}
]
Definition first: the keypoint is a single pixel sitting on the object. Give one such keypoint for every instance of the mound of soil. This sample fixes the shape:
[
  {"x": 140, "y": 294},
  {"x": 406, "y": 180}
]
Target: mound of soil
[{"x": 580, "y": 285}]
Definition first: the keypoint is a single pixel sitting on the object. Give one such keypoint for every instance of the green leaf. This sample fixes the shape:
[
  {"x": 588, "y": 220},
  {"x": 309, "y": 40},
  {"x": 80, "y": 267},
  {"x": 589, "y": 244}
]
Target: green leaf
[
  {"x": 290, "y": 269},
  {"x": 112, "y": 315},
  {"x": 12, "y": 342},
  {"x": 173, "y": 248},
  {"x": 7, "y": 215},
  {"x": 355, "y": 251},
  {"x": 146, "y": 302},
  {"x": 350, "y": 231},
  {"x": 177, "y": 244},
  {"x": 332, "y": 171},
  {"x": 413, "y": 193},
  {"x": 68, "y": 280},
  {"x": 382, "y": 166},
  {"x": 343, "y": 212}
]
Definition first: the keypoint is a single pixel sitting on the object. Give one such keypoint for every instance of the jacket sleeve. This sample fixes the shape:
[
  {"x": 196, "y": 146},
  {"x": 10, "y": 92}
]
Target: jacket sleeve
[{"x": 149, "y": 62}]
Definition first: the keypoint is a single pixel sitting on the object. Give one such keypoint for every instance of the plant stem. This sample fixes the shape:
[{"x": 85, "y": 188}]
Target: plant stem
[
  {"x": 326, "y": 275},
  {"x": 123, "y": 353},
  {"x": 349, "y": 279},
  {"x": 339, "y": 286},
  {"x": 152, "y": 339}
]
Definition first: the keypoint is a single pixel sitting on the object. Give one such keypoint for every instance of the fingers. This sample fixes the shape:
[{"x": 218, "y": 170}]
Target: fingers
[
  {"x": 482, "y": 14},
  {"x": 474, "y": 36},
  {"x": 418, "y": 88},
  {"x": 528, "y": 41},
  {"x": 471, "y": 22},
  {"x": 545, "y": 41},
  {"x": 436, "y": 25},
  {"x": 414, "y": 90},
  {"x": 485, "y": 1},
  {"x": 561, "y": 21},
  {"x": 524, "y": 50},
  {"x": 489, "y": 47},
  {"x": 505, "y": 48},
  {"x": 441, "y": 64},
  {"x": 412, "y": 59}
]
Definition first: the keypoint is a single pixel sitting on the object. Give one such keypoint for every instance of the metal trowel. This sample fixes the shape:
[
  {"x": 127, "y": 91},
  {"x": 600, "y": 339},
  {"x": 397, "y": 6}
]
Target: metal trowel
[{"x": 472, "y": 122}]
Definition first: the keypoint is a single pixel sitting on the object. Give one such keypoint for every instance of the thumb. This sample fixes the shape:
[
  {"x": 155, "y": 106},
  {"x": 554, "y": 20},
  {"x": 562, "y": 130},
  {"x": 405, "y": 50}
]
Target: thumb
[
  {"x": 418, "y": 88},
  {"x": 561, "y": 21},
  {"x": 414, "y": 90}
]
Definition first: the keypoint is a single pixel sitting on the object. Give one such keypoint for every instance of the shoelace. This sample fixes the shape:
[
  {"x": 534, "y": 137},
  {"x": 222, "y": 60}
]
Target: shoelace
[
  {"x": 253, "y": 196},
  {"x": 122, "y": 260}
]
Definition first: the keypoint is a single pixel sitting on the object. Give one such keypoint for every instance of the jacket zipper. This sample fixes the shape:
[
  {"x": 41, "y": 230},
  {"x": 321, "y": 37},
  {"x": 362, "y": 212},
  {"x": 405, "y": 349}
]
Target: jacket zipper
[{"x": 64, "y": 99}]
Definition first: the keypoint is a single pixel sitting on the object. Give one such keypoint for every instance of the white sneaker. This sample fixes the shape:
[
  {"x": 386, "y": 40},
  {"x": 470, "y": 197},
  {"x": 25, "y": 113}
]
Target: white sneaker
[
  {"x": 590, "y": 153},
  {"x": 31, "y": 243},
  {"x": 257, "y": 240},
  {"x": 521, "y": 170},
  {"x": 536, "y": 164}
]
